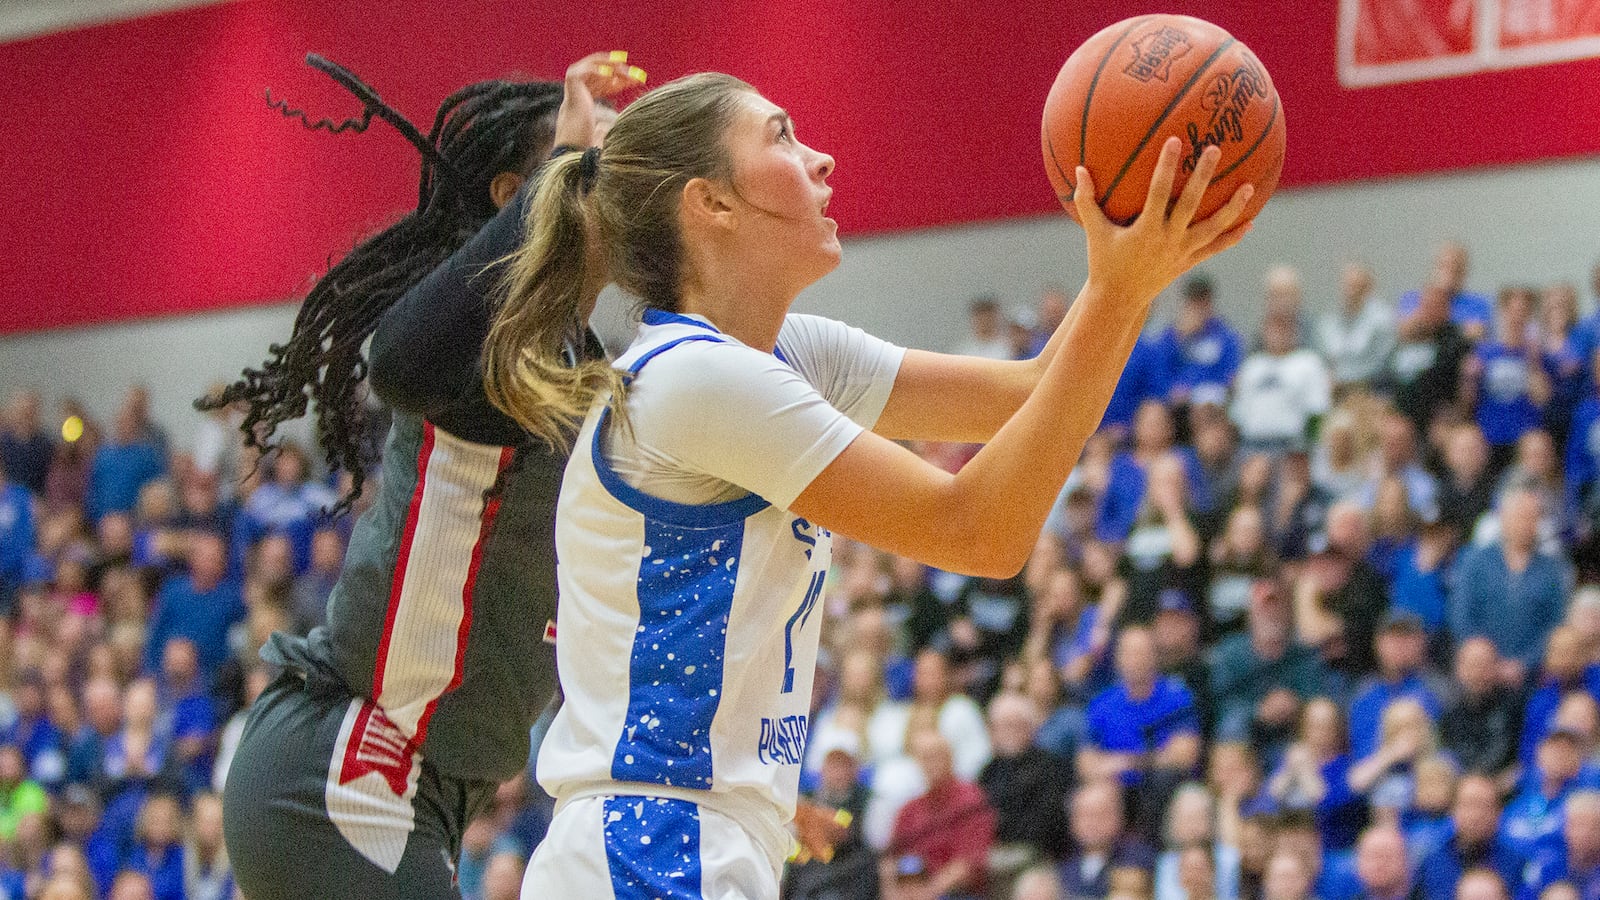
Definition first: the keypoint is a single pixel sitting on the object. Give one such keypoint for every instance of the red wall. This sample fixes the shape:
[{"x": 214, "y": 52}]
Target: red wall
[{"x": 144, "y": 174}]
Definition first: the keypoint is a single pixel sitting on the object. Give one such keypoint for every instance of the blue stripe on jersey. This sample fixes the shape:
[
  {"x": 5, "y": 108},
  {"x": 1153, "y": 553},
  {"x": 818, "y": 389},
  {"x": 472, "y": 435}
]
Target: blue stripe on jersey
[
  {"x": 653, "y": 848},
  {"x": 685, "y": 586}
]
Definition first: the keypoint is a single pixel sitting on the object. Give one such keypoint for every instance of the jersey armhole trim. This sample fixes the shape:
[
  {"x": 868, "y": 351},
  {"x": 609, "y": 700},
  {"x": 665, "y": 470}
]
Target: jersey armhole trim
[{"x": 685, "y": 515}]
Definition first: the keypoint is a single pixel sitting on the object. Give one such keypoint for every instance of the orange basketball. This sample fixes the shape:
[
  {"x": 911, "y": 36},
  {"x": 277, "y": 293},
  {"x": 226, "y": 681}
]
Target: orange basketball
[{"x": 1142, "y": 80}]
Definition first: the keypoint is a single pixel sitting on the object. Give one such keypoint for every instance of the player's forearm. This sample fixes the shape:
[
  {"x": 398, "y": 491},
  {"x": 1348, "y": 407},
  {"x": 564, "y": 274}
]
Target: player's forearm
[{"x": 1004, "y": 494}]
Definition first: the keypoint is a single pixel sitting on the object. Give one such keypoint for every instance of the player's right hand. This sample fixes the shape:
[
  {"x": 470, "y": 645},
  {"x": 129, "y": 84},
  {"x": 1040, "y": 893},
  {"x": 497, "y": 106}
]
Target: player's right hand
[
  {"x": 1136, "y": 262},
  {"x": 598, "y": 76}
]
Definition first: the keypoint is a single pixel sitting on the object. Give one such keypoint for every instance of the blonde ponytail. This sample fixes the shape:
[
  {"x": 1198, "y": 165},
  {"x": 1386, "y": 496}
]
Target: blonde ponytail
[{"x": 526, "y": 373}]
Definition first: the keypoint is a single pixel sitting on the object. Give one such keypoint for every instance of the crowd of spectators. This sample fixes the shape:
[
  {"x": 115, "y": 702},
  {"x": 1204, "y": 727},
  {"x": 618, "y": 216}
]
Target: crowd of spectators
[{"x": 1317, "y": 615}]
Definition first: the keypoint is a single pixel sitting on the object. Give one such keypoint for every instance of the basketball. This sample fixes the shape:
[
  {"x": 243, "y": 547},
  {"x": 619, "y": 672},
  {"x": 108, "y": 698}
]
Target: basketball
[{"x": 1136, "y": 83}]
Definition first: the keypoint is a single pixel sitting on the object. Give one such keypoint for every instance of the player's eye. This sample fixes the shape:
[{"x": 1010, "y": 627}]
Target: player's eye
[{"x": 783, "y": 131}]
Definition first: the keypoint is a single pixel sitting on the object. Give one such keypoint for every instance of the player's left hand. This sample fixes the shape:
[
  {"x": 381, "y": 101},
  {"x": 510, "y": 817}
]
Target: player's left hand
[
  {"x": 598, "y": 76},
  {"x": 818, "y": 829}
]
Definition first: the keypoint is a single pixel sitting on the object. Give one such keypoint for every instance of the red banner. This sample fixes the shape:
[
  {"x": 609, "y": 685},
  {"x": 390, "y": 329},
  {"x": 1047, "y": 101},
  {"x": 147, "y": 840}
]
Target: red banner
[
  {"x": 146, "y": 176},
  {"x": 1388, "y": 41}
]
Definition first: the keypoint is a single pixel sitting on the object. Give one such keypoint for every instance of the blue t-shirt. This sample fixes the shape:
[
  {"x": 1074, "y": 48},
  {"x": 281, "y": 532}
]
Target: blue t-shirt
[
  {"x": 43, "y": 746},
  {"x": 16, "y": 539},
  {"x": 116, "y": 475},
  {"x": 203, "y": 617},
  {"x": 1423, "y": 594},
  {"x": 1550, "y": 866},
  {"x": 1505, "y": 409},
  {"x": 1125, "y": 486},
  {"x": 1583, "y": 451},
  {"x": 1531, "y": 822},
  {"x": 1206, "y": 359},
  {"x": 1120, "y": 724},
  {"x": 1465, "y": 308},
  {"x": 1443, "y": 867},
  {"x": 164, "y": 867},
  {"x": 1585, "y": 337},
  {"x": 1366, "y": 710},
  {"x": 1540, "y": 712},
  {"x": 1141, "y": 379}
]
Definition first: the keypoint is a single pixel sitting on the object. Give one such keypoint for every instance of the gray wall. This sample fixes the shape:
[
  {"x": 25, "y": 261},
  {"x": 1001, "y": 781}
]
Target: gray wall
[{"x": 1538, "y": 223}]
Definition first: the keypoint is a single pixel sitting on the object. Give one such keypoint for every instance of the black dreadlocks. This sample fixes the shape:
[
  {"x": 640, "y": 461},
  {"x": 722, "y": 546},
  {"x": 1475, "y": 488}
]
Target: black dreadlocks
[{"x": 480, "y": 131}]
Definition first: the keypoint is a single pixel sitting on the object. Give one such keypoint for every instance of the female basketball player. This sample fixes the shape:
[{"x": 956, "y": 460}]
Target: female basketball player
[
  {"x": 360, "y": 768},
  {"x": 719, "y": 453}
]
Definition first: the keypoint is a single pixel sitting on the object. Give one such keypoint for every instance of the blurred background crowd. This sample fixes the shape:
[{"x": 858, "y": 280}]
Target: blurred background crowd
[{"x": 1317, "y": 615}]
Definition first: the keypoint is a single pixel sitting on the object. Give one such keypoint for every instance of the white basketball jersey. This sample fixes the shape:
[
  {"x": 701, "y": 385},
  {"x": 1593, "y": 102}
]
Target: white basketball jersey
[{"x": 687, "y": 632}]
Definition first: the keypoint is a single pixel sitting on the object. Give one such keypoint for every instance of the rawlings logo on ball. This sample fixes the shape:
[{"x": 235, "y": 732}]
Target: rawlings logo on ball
[
  {"x": 1154, "y": 53},
  {"x": 1227, "y": 98}
]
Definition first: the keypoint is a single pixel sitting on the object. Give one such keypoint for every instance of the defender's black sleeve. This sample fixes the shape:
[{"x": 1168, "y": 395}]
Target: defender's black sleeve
[{"x": 426, "y": 352}]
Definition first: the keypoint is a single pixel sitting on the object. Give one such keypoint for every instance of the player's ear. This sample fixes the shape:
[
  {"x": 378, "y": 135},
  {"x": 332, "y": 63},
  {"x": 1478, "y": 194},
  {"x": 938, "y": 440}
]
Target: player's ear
[
  {"x": 504, "y": 187},
  {"x": 706, "y": 202}
]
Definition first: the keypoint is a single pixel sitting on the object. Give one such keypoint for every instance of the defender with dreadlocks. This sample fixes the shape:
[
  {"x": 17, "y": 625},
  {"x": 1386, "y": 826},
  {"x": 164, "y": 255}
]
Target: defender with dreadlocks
[{"x": 392, "y": 724}]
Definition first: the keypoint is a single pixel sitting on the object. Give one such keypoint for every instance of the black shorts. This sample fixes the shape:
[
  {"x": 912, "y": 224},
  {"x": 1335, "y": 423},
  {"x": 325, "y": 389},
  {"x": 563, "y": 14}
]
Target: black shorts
[{"x": 321, "y": 801}]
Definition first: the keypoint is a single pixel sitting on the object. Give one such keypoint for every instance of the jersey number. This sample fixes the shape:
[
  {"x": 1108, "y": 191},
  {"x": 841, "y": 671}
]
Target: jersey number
[{"x": 813, "y": 591}]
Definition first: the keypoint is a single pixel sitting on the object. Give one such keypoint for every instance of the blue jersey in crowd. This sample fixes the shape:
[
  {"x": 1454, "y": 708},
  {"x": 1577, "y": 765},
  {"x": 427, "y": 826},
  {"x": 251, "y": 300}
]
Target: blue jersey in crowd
[
  {"x": 1204, "y": 360},
  {"x": 1118, "y": 723},
  {"x": 1506, "y": 409},
  {"x": 117, "y": 474},
  {"x": 201, "y": 616}
]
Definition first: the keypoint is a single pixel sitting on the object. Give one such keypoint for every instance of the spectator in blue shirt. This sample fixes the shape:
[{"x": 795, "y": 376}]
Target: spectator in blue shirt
[
  {"x": 1567, "y": 668},
  {"x": 1382, "y": 871},
  {"x": 1145, "y": 721},
  {"x": 1200, "y": 352},
  {"x": 1124, "y": 495},
  {"x": 1143, "y": 378},
  {"x": 1473, "y": 840},
  {"x": 16, "y": 538},
  {"x": 102, "y": 719},
  {"x": 1387, "y": 777},
  {"x": 201, "y": 606},
  {"x": 1401, "y": 647},
  {"x": 287, "y": 503},
  {"x": 1509, "y": 591},
  {"x": 122, "y": 466},
  {"x": 1583, "y": 453},
  {"x": 1575, "y": 859},
  {"x": 189, "y": 710},
  {"x": 1420, "y": 583},
  {"x": 25, "y": 448},
  {"x": 1506, "y": 377},
  {"x": 42, "y": 743},
  {"x": 1532, "y": 820},
  {"x": 1564, "y": 358},
  {"x": 1472, "y": 312},
  {"x": 1314, "y": 776},
  {"x": 1586, "y": 334},
  {"x": 157, "y": 852}
]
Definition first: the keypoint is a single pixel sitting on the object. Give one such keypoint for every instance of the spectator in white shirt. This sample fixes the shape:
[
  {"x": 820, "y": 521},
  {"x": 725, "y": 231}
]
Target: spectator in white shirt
[
  {"x": 990, "y": 335},
  {"x": 1279, "y": 390},
  {"x": 1358, "y": 337}
]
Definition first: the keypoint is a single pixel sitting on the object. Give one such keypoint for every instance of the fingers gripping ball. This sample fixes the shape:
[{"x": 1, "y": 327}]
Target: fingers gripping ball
[{"x": 1121, "y": 94}]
